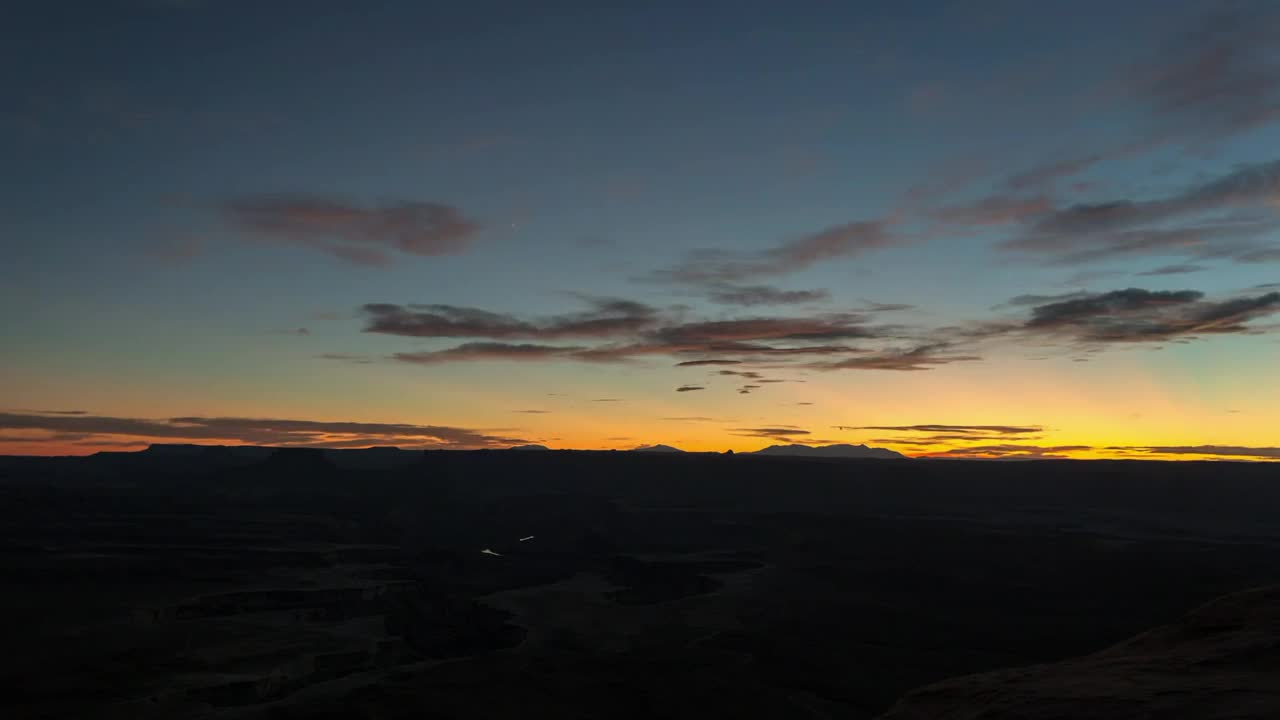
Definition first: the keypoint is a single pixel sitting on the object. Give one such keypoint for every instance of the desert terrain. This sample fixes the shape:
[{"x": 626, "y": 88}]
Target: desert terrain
[{"x": 210, "y": 582}]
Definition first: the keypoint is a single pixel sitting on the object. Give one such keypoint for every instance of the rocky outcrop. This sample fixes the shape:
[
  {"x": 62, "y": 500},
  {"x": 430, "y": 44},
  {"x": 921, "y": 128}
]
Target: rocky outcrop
[{"x": 1220, "y": 661}]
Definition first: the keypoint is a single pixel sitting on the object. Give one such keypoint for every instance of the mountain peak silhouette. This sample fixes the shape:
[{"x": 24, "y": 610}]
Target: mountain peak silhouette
[{"x": 657, "y": 448}]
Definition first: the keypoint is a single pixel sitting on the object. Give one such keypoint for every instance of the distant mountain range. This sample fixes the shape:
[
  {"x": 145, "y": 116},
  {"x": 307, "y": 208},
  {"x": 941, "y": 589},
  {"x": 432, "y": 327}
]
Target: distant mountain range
[
  {"x": 657, "y": 448},
  {"x": 831, "y": 451},
  {"x": 383, "y": 455}
]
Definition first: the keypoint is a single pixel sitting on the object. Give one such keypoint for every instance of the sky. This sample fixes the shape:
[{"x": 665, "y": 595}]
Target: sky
[{"x": 982, "y": 229}]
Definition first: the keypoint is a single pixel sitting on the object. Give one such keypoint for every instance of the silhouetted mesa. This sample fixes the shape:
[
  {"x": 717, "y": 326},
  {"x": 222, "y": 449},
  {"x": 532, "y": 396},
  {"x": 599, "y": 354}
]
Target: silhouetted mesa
[{"x": 831, "y": 451}]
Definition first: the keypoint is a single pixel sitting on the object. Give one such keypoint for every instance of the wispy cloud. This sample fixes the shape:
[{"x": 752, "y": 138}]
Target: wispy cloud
[
  {"x": 689, "y": 388},
  {"x": 719, "y": 267},
  {"x": 363, "y": 235},
  {"x": 1182, "y": 269},
  {"x": 771, "y": 432},
  {"x": 619, "y": 331},
  {"x": 624, "y": 331},
  {"x": 177, "y": 251},
  {"x": 343, "y": 357},
  {"x": 1219, "y": 77},
  {"x": 874, "y": 307},
  {"x": 701, "y": 363},
  {"x": 608, "y": 317},
  {"x": 821, "y": 327},
  {"x": 1136, "y": 315},
  {"x": 467, "y": 352},
  {"x": 994, "y": 210},
  {"x": 953, "y": 429},
  {"x": 1089, "y": 232},
  {"x": 1262, "y": 255},
  {"x": 1012, "y": 451},
  {"x": 1228, "y": 451},
  {"x": 752, "y": 295},
  {"x": 262, "y": 431},
  {"x": 922, "y": 357}
]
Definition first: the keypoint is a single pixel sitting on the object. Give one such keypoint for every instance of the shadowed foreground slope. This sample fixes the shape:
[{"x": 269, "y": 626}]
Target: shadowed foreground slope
[{"x": 1220, "y": 661}]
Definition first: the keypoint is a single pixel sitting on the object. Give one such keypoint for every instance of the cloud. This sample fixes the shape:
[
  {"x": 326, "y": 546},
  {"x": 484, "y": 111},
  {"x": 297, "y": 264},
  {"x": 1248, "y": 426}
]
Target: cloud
[
  {"x": 177, "y": 251},
  {"x": 1019, "y": 300},
  {"x": 1111, "y": 303},
  {"x": 689, "y": 388},
  {"x": 781, "y": 350},
  {"x": 628, "y": 331},
  {"x": 468, "y": 352},
  {"x": 635, "y": 331},
  {"x": 532, "y": 412},
  {"x": 1218, "y": 450},
  {"x": 770, "y": 432},
  {"x": 54, "y": 412},
  {"x": 262, "y": 431},
  {"x": 699, "y": 363},
  {"x": 608, "y": 317},
  {"x": 932, "y": 440},
  {"x": 994, "y": 210},
  {"x": 358, "y": 234},
  {"x": 1046, "y": 174},
  {"x": 968, "y": 430},
  {"x": 887, "y": 307},
  {"x": 607, "y": 400},
  {"x": 1265, "y": 255},
  {"x": 822, "y": 327},
  {"x": 1220, "y": 77},
  {"x": 1095, "y": 231},
  {"x": 718, "y": 267},
  {"x": 1136, "y": 315},
  {"x": 743, "y": 339},
  {"x": 923, "y": 357},
  {"x": 752, "y": 295},
  {"x": 1009, "y": 451},
  {"x": 1172, "y": 270},
  {"x": 341, "y": 357}
]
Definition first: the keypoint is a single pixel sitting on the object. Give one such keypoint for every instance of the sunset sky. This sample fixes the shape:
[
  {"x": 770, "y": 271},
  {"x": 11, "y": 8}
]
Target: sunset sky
[{"x": 968, "y": 228}]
